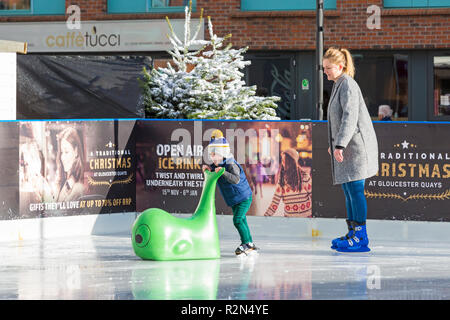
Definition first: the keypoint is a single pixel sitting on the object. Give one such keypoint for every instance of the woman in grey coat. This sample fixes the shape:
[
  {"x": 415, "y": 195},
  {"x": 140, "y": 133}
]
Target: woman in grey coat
[{"x": 352, "y": 145}]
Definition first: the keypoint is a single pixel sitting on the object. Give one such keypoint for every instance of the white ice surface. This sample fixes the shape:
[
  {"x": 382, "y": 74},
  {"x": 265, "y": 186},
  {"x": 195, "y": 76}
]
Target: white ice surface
[{"x": 105, "y": 267}]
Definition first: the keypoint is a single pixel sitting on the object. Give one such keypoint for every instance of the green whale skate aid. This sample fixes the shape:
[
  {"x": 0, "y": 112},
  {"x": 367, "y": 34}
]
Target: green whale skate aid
[{"x": 158, "y": 235}]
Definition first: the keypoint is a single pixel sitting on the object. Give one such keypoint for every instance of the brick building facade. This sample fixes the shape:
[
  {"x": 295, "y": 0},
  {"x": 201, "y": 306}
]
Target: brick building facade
[{"x": 404, "y": 63}]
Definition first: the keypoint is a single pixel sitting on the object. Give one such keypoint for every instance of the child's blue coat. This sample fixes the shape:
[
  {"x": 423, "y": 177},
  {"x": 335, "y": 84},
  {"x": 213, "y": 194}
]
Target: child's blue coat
[{"x": 233, "y": 193}]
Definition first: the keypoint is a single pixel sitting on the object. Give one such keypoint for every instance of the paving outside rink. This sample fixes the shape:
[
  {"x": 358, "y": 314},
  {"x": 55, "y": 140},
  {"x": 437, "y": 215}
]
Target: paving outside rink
[{"x": 289, "y": 266}]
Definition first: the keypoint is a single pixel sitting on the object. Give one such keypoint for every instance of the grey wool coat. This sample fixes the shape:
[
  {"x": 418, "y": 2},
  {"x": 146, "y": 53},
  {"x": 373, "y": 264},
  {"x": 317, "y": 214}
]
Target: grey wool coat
[{"x": 350, "y": 126}]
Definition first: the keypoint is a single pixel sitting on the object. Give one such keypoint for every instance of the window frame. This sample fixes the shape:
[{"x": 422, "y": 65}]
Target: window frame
[
  {"x": 36, "y": 10},
  {"x": 279, "y": 55},
  {"x": 382, "y": 53},
  {"x": 243, "y": 8},
  {"x": 414, "y": 4},
  {"x": 150, "y": 9},
  {"x": 430, "y": 89},
  {"x": 18, "y": 12}
]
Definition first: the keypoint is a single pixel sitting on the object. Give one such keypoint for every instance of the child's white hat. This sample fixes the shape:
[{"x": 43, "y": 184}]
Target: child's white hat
[{"x": 219, "y": 145}]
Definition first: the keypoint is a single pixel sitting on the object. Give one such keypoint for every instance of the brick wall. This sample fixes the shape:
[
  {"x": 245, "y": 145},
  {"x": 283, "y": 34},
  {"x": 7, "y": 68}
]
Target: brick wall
[
  {"x": 90, "y": 8},
  {"x": 295, "y": 30}
]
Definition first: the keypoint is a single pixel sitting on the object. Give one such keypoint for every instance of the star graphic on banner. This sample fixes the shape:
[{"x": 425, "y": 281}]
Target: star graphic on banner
[
  {"x": 405, "y": 144},
  {"x": 110, "y": 144}
]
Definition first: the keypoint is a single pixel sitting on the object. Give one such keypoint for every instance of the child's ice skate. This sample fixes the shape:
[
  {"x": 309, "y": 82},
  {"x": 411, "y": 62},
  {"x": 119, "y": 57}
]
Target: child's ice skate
[
  {"x": 251, "y": 248},
  {"x": 246, "y": 249}
]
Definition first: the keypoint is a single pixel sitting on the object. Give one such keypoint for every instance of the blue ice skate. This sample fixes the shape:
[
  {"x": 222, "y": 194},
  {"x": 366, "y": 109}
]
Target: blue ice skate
[
  {"x": 349, "y": 234},
  {"x": 358, "y": 242}
]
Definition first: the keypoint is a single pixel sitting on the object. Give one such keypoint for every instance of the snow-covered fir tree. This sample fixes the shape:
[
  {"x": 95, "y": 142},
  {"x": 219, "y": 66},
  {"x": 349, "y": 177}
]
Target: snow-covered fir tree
[
  {"x": 167, "y": 92},
  {"x": 212, "y": 89}
]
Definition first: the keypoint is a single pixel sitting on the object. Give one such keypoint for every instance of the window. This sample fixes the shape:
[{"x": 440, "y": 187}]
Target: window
[
  {"x": 169, "y": 3},
  {"x": 383, "y": 79},
  {"x": 441, "y": 76},
  {"x": 142, "y": 6},
  {"x": 416, "y": 3},
  {"x": 15, "y": 5},
  {"x": 32, "y": 7},
  {"x": 273, "y": 75},
  {"x": 269, "y": 5}
]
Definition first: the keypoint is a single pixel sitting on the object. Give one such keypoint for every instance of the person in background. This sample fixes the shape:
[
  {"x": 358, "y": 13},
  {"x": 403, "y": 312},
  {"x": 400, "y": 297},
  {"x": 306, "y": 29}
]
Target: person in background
[
  {"x": 384, "y": 113},
  {"x": 293, "y": 188},
  {"x": 258, "y": 174},
  {"x": 353, "y": 146},
  {"x": 70, "y": 167}
]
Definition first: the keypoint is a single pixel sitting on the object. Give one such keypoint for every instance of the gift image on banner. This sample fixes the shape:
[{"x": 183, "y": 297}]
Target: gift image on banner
[{"x": 68, "y": 168}]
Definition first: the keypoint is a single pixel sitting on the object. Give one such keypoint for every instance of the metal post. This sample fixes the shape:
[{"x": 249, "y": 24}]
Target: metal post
[{"x": 319, "y": 56}]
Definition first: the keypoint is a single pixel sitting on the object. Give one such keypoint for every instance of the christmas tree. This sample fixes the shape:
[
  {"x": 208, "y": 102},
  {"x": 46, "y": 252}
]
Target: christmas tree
[{"x": 205, "y": 83}]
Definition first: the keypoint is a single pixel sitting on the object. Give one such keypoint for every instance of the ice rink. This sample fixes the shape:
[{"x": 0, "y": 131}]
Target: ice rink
[{"x": 105, "y": 267}]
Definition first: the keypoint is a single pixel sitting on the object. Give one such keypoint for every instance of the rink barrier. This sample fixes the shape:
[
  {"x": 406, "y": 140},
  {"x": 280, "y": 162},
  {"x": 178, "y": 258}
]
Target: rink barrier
[
  {"x": 411, "y": 189},
  {"x": 278, "y": 228}
]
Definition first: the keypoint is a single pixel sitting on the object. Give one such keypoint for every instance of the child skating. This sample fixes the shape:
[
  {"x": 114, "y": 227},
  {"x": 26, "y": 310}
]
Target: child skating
[{"x": 233, "y": 186}]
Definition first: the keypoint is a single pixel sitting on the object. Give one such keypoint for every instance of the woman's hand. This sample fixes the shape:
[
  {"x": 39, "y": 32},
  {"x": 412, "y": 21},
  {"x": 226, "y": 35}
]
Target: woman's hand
[
  {"x": 205, "y": 167},
  {"x": 339, "y": 155},
  {"x": 218, "y": 169}
]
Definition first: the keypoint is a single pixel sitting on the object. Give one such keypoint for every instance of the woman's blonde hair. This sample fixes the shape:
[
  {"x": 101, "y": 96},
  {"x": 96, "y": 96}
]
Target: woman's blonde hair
[{"x": 343, "y": 57}]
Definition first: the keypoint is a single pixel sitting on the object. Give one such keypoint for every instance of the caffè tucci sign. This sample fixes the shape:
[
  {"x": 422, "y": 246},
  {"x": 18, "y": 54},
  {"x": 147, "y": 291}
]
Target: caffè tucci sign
[{"x": 94, "y": 36}]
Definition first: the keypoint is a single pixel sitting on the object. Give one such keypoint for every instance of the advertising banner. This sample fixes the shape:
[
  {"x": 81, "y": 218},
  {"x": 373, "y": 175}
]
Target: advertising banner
[
  {"x": 275, "y": 156},
  {"x": 95, "y": 36},
  {"x": 9, "y": 170},
  {"x": 69, "y": 168},
  {"x": 413, "y": 181},
  {"x": 163, "y": 180},
  {"x": 59, "y": 168}
]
